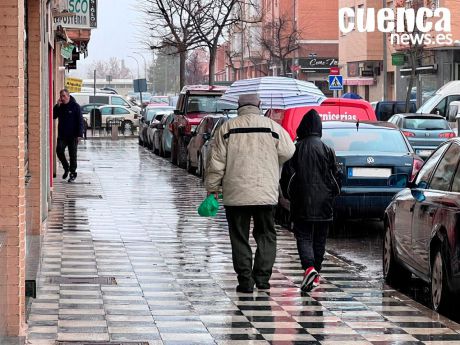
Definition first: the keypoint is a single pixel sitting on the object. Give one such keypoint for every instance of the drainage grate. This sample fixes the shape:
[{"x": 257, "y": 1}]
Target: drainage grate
[
  {"x": 58, "y": 342},
  {"x": 83, "y": 280},
  {"x": 83, "y": 196}
]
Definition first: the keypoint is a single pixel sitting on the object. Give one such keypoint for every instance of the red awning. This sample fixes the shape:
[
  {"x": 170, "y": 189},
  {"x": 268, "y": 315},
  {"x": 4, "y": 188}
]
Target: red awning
[{"x": 358, "y": 81}]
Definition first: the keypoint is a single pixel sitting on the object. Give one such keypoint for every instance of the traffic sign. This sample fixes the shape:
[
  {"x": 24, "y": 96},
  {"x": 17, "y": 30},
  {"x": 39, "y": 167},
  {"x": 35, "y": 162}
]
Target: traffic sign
[
  {"x": 335, "y": 82},
  {"x": 334, "y": 71}
]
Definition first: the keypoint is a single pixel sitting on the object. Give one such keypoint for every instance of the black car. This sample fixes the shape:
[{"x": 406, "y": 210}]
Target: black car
[
  {"x": 386, "y": 109},
  {"x": 422, "y": 227}
]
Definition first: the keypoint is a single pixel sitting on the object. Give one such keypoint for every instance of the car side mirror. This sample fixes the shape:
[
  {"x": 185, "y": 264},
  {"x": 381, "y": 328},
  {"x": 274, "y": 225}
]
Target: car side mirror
[
  {"x": 418, "y": 195},
  {"x": 398, "y": 180},
  {"x": 206, "y": 136}
]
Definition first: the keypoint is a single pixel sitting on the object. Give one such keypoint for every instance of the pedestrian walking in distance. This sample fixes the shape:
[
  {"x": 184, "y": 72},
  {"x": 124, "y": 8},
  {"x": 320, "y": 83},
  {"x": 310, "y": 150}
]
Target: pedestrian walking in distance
[
  {"x": 245, "y": 162},
  {"x": 70, "y": 131},
  {"x": 310, "y": 180}
]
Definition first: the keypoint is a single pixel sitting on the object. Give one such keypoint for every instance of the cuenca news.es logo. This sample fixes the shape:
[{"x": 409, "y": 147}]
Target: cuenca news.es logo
[{"x": 405, "y": 26}]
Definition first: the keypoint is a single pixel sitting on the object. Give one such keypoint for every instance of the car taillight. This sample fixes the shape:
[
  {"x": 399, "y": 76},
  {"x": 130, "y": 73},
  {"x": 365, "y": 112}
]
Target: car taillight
[
  {"x": 416, "y": 166},
  {"x": 408, "y": 134},
  {"x": 447, "y": 135}
]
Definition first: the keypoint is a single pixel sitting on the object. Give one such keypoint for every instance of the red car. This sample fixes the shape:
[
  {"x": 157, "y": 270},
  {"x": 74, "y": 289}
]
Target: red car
[
  {"x": 332, "y": 109},
  {"x": 195, "y": 102}
]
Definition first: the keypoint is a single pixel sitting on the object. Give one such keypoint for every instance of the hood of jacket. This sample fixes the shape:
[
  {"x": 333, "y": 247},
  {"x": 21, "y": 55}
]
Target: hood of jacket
[{"x": 311, "y": 125}]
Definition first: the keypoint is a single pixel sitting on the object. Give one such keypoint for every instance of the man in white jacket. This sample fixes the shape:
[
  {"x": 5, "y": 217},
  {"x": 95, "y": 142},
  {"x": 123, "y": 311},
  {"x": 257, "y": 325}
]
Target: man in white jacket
[{"x": 244, "y": 163}]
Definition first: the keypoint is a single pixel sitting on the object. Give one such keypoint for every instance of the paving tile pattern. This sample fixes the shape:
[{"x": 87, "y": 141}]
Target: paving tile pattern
[{"x": 132, "y": 216}]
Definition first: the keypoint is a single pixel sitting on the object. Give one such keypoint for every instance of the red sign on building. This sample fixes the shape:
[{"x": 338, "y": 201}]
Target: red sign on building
[{"x": 334, "y": 71}]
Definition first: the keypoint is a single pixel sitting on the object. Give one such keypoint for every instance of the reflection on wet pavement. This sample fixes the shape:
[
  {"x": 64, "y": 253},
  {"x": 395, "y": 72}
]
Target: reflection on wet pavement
[{"x": 132, "y": 216}]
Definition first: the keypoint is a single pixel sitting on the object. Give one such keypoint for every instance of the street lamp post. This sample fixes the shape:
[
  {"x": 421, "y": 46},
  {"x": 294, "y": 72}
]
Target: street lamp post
[
  {"x": 145, "y": 64},
  {"x": 137, "y": 62}
]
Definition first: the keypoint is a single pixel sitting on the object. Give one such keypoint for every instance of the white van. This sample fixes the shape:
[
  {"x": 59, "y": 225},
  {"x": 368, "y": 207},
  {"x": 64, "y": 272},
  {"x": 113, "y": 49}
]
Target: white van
[
  {"x": 439, "y": 103},
  {"x": 104, "y": 98}
]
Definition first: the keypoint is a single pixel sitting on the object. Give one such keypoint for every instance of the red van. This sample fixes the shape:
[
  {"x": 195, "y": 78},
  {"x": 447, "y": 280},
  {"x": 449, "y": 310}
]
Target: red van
[{"x": 332, "y": 109}]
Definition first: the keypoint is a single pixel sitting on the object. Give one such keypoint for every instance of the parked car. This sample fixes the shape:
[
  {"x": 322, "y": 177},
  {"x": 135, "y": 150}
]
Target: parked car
[
  {"x": 200, "y": 135},
  {"x": 421, "y": 225},
  {"x": 368, "y": 153},
  {"x": 386, "y": 109},
  {"x": 129, "y": 118},
  {"x": 149, "y": 113},
  {"x": 206, "y": 148},
  {"x": 104, "y": 98},
  {"x": 424, "y": 132},
  {"x": 159, "y": 100},
  {"x": 332, "y": 109},
  {"x": 153, "y": 127},
  {"x": 440, "y": 101},
  {"x": 162, "y": 137},
  {"x": 195, "y": 102}
]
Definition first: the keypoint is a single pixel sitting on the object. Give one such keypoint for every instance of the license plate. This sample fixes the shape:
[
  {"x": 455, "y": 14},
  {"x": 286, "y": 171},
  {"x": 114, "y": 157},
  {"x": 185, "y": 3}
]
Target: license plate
[
  {"x": 424, "y": 153},
  {"x": 369, "y": 172}
]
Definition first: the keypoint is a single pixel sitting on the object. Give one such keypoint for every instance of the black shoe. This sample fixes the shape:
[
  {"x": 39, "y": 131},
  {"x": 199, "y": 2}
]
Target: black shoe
[
  {"x": 66, "y": 173},
  {"x": 73, "y": 176},
  {"x": 263, "y": 286},
  {"x": 244, "y": 289}
]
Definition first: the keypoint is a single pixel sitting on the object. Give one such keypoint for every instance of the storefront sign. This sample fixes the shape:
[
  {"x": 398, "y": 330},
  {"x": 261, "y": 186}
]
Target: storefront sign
[
  {"x": 73, "y": 84},
  {"x": 83, "y": 15},
  {"x": 397, "y": 59},
  {"x": 319, "y": 65}
]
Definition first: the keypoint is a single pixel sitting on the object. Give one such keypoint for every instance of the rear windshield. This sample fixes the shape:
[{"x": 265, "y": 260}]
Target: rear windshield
[
  {"x": 425, "y": 124},
  {"x": 365, "y": 140}
]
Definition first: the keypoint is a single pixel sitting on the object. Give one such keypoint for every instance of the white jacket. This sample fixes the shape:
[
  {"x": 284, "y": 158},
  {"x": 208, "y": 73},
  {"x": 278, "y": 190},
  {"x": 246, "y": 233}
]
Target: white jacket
[{"x": 245, "y": 159}]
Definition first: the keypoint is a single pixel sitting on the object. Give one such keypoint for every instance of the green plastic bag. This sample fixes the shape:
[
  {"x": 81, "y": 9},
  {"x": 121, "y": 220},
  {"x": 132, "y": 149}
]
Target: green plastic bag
[{"x": 208, "y": 207}]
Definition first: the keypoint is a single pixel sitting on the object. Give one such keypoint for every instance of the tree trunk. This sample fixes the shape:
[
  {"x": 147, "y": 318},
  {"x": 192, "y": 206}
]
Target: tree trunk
[
  {"x": 182, "y": 61},
  {"x": 212, "y": 65},
  {"x": 282, "y": 68}
]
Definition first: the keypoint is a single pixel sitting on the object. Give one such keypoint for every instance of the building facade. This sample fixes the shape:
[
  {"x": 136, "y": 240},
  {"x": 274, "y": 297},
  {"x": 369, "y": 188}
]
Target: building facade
[{"x": 31, "y": 75}]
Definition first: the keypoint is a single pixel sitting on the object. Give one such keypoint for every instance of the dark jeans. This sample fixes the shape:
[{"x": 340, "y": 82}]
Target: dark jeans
[
  {"x": 311, "y": 243},
  {"x": 239, "y": 219},
  {"x": 72, "y": 144}
]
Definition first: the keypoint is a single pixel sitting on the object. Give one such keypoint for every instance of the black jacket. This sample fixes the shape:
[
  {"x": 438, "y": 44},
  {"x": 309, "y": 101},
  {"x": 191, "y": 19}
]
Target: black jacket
[
  {"x": 310, "y": 180},
  {"x": 70, "y": 120}
]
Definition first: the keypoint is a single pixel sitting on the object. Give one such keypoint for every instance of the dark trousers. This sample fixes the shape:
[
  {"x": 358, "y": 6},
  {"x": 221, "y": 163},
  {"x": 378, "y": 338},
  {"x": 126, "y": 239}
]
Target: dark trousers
[
  {"x": 311, "y": 243},
  {"x": 72, "y": 144},
  {"x": 239, "y": 219}
]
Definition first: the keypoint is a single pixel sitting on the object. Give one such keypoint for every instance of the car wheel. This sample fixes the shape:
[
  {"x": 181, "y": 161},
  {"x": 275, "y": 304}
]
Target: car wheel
[
  {"x": 174, "y": 151},
  {"x": 141, "y": 143},
  {"x": 181, "y": 154},
  {"x": 199, "y": 169},
  {"x": 190, "y": 169},
  {"x": 393, "y": 273},
  {"x": 127, "y": 126},
  {"x": 439, "y": 289}
]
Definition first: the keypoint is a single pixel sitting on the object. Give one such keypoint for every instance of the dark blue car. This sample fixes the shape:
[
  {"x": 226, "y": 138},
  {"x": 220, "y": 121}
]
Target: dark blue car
[{"x": 368, "y": 153}]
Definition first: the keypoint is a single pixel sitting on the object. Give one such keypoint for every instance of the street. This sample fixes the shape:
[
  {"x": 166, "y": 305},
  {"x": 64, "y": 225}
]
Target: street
[{"x": 126, "y": 257}]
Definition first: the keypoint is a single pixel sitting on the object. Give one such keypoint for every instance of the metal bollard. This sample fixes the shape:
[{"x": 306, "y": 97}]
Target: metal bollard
[{"x": 115, "y": 131}]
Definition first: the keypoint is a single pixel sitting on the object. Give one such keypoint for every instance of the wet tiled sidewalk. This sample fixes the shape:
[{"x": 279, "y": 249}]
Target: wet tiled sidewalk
[{"x": 132, "y": 216}]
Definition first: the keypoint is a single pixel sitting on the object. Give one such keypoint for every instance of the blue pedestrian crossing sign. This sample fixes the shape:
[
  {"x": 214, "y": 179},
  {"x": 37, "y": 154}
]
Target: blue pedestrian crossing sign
[{"x": 335, "y": 82}]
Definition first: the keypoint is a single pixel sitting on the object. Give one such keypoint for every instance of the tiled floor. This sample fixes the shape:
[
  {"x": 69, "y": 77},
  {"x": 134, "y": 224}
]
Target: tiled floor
[{"x": 132, "y": 216}]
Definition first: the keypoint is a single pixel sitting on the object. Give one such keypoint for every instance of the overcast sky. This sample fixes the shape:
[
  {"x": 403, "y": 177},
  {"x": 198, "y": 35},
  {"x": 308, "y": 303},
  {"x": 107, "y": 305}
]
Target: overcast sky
[{"x": 117, "y": 35}]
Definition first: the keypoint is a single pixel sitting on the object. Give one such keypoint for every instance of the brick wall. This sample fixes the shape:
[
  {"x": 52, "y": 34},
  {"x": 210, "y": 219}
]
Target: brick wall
[
  {"x": 2, "y": 284},
  {"x": 12, "y": 207}
]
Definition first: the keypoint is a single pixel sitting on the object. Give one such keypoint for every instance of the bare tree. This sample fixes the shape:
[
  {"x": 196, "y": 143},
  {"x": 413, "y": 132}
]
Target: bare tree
[
  {"x": 213, "y": 18},
  {"x": 172, "y": 24},
  {"x": 112, "y": 67},
  {"x": 195, "y": 72},
  {"x": 280, "y": 38}
]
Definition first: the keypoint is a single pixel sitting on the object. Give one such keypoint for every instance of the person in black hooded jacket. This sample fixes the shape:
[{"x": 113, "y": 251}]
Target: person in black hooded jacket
[
  {"x": 70, "y": 130},
  {"x": 310, "y": 180}
]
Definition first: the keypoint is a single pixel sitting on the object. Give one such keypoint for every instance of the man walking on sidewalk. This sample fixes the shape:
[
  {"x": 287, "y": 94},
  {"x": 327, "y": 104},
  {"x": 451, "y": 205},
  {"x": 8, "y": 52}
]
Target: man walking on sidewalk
[
  {"x": 70, "y": 131},
  {"x": 245, "y": 162},
  {"x": 310, "y": 180}
]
